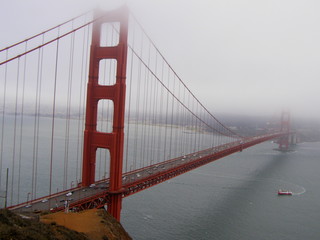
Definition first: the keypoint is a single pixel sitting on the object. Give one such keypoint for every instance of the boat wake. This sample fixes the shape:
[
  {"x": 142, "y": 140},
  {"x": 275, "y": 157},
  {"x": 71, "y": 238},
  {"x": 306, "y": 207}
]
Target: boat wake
[
  {"x": 299, "y": 193},
  {"x": 147, "y": 217}
]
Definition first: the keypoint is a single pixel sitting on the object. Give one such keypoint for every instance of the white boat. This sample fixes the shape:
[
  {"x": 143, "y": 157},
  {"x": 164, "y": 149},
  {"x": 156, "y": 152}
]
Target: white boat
[{"x": 284, "y": 192}]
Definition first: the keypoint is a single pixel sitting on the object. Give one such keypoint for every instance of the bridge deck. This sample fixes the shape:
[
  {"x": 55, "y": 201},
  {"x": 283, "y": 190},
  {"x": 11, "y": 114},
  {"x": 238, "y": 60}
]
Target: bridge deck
[{"x": 97, "y": 195}]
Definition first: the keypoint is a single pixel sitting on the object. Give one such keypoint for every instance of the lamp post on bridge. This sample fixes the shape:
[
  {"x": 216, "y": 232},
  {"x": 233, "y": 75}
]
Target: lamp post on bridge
[
  {"x": 6, "y": 192},
  {"x": 28, "y": 198}
]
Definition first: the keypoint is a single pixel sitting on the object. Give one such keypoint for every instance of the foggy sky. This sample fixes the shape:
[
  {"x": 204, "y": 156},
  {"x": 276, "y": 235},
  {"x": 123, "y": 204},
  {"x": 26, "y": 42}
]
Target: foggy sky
[{"x": 251, "y": 57}]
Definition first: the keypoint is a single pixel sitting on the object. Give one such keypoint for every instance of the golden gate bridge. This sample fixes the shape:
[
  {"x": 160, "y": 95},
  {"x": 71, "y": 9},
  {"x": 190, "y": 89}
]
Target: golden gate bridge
[{"x": 92, "y": 112}]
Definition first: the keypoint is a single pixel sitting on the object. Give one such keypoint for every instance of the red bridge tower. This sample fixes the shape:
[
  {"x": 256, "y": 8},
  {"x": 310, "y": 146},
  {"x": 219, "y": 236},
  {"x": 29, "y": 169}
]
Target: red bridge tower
[
  {"x": 114, "y": 140},
  {"x": 285, "y": 127}
]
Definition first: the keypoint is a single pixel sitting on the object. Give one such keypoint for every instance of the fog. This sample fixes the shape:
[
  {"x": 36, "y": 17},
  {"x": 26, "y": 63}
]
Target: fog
[{"x": 244, "y": 57}]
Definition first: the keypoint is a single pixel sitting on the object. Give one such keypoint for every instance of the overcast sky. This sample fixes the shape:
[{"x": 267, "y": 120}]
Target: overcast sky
[{"x": 237, "y": 56}]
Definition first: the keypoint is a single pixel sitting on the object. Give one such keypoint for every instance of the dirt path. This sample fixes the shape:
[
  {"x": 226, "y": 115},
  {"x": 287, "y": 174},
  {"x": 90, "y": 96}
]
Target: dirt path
[{"x": 95, "y": 223}]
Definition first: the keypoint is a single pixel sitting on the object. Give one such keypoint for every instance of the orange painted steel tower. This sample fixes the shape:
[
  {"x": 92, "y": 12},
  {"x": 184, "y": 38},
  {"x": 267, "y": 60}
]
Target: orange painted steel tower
[
  {"x": 285, "y": 127},
  {"x": 113, "y": 141}
]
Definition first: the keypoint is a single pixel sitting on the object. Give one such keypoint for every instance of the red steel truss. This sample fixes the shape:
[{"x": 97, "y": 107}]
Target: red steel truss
[{"x": 102, "y": 198}]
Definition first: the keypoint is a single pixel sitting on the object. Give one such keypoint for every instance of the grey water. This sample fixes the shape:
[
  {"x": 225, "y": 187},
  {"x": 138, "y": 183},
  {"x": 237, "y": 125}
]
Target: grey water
[{"x": 234, "y": 198}]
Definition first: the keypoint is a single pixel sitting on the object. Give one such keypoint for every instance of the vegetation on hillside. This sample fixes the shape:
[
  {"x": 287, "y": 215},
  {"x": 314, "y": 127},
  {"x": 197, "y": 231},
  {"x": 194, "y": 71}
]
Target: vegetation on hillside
[
  {"x": 14, "y": 227},
  {"x": 19, "y": 227}
]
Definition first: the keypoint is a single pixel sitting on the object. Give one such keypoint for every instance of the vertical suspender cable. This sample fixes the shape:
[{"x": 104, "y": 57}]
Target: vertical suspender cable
[
  {"x": 53, "y": 114},
  {"x": 129, "y": 104},
  {"x": 143, "y": 123},
  {"x": 83, "y": 60},
  {"x": 179, "y": 122},
  {"x": 38, "y": 116},
  {"x": 194, "y": 126},
  {"x": 184, "y": 142},
  {"x": 146, "y": 112},
  {"x": 35, "y": 128},
  {"x": 160, "y": 115},
  {"x": 195, "y": 144},
  {"x": 149, "y": 111},
  {"x": 190, "y": 122},
  {"x": 144, "y": 116},
  {"x": 138, "y": 108},
  {"x": 3, "y": 115},
  {"x": 154, "y": 117},
  {"x": 85, "y": 87},
  {"x": 199, "y": 130},
  {"x": 82, "y": 96},
  {"x": 69, "y": 95},
  {"x": 21, "y": 120},
  {"x": 15, "y": 133},
  {"x": 166, "y": 121},
  {"x": 171, "y": 122}
]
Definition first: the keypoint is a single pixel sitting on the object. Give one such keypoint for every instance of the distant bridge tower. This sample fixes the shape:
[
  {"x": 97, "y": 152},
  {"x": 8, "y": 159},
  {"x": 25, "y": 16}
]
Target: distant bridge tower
[
  {"x": 113, "y": 141},
  {"x": 285, "y": 127}
]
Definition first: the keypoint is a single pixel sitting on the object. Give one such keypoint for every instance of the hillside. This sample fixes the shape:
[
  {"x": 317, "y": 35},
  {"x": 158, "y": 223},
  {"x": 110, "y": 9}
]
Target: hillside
[{"x": 87, "y": 225}]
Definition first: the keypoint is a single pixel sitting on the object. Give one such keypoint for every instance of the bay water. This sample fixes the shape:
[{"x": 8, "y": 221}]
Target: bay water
[
  {"x": 234, "y": 198},
  {"x": 231, "y": 198}
]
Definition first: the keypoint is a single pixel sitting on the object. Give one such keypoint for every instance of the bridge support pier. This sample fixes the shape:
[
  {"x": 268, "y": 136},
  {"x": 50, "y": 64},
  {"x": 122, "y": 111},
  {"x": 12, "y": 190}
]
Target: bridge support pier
[{"x": 113, "y": 141}]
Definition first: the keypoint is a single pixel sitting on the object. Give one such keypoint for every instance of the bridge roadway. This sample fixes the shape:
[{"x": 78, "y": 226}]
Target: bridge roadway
[{"x": 97, "y": 195}]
